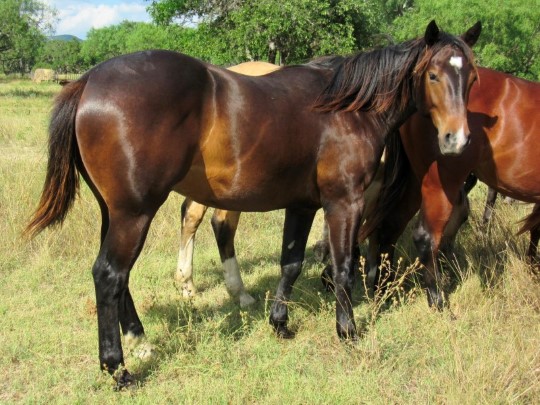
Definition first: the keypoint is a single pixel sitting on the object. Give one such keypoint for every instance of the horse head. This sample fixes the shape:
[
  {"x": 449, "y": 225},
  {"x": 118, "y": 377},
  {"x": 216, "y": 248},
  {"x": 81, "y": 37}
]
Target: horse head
[{"x": 444, "y": 78}]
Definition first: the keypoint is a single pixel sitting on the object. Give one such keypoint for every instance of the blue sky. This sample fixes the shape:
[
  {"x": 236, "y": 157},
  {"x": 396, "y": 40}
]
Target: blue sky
[{"x": 76, "y": 17}]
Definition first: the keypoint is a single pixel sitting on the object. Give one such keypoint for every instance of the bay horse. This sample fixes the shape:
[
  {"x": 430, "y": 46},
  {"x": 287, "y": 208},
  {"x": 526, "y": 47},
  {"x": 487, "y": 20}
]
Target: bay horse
[
  {"x": 505, "y": 131},
  {"x": 139, "y": 126}
]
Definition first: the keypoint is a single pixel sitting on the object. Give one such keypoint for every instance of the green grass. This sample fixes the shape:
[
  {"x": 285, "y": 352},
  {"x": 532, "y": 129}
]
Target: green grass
[{"x": 486, "y": 349}]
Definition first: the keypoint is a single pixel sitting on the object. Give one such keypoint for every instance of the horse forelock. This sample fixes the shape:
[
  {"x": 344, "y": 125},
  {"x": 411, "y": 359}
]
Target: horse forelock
[
  {"x": 380, "y": 79},
  {"x": 445, "y": 40}
]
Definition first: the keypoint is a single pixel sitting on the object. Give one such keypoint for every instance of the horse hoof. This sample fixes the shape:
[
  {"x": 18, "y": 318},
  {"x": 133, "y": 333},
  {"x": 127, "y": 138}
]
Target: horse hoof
[
  {"x": 326, "y": 279},
  {"x": 348, "y": 336},
  {"x": 283, "y": 332},
  {"x": 246, "y": 300},
  {"x": 435, "y": 300},
  {"x": 124, "y": 380}
]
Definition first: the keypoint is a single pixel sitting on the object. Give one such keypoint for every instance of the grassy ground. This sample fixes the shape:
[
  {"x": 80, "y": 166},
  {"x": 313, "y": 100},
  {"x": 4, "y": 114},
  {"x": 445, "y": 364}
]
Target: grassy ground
[{"x": 486, "y": 349}]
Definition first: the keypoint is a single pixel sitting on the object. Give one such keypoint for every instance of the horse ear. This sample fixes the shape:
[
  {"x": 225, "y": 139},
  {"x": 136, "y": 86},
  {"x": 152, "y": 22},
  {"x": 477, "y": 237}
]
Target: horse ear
[
  {"x": 471, "y": 36},
  {"x": 432, "y": 33}
]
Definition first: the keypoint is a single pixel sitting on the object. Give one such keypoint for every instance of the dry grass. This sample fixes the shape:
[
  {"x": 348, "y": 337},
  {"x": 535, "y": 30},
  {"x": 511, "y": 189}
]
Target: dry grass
[{"x": 486, "y": 349}]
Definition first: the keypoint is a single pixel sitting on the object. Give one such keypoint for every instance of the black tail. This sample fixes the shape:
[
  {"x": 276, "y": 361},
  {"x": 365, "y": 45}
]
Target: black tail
[
  {"x": 62, "y": 179},
  {"x": 397, "y": 170}
]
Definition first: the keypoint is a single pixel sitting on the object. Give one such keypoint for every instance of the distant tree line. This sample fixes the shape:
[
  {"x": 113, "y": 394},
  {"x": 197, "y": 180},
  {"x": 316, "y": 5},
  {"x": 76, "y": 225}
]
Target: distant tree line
[{"x": 228, "y": 32}]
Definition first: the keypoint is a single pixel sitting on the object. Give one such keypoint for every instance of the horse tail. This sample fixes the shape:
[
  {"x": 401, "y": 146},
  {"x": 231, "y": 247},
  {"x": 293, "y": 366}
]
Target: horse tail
[
  {"x": 62, "y": 179},
  {"x": 397, "y": 170},
  {"x": 531, "y": 221}
]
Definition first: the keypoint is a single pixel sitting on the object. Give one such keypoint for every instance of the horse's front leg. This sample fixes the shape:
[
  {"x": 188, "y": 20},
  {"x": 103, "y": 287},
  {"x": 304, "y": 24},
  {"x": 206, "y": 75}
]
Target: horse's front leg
[
  {"x": 295, "y": 234},
  {"x": 343, "y": 219},
  {"x": 192, "y": 215},
  {"x": 435, "y": 214}
]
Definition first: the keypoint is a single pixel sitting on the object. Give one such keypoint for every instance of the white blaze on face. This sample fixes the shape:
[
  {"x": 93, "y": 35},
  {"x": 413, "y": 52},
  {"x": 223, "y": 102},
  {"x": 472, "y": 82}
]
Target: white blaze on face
[
  {"x": 461, "y": 139},
  {"x": 457, "y": 62}
]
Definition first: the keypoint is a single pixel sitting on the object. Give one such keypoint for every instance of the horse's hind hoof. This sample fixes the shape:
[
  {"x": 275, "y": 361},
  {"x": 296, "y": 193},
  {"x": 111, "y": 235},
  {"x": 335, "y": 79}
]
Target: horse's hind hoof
[{"x": 283, "y": 332}]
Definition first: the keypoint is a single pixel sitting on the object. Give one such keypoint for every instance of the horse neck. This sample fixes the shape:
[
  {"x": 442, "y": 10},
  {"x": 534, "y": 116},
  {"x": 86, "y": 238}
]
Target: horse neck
[{"x": 393, "y": 118}]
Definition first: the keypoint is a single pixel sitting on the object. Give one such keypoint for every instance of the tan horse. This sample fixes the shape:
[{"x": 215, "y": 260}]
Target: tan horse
[{"x": 224, "y": 224}]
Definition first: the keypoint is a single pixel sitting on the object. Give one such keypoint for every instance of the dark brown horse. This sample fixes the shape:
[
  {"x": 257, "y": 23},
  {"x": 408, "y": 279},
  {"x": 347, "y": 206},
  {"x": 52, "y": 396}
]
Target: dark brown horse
[
  {"x": 142, "y": 125},
  {"x": 505, "y": 132}
]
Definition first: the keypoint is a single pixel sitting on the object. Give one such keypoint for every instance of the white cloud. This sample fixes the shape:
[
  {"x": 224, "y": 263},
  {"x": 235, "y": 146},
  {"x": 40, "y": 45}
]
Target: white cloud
[{"x": 76, "y": 17}]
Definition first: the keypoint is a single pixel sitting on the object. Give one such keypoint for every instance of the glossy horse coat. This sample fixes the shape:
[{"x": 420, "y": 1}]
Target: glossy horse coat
[
  {"x": 505, "y": 131},
  {"x": 142, "y": 125},
  {"x": 224, "y": 224}
]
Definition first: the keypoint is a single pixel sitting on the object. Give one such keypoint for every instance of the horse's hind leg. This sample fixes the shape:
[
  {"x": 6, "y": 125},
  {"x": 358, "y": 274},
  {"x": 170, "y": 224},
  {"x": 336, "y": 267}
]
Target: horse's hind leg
[
  {"x": 533, "y": 244},
  {"x": 224, "y": 224},
  {"x": 120, "y": 248},
  {"x": 192, "y": 215},
  {"x": 295, "y": 235},
  {"x": 490, "y": 204},
  {"x": 130, "y": 323},
  {"x": 460, "y": 214}
]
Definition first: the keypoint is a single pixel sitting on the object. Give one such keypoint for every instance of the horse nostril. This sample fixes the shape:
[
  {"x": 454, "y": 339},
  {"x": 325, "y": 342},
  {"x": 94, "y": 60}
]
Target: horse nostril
[{"x": 447, "y": 137}]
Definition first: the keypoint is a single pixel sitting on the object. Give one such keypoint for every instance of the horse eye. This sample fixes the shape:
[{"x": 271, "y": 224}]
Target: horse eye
[{"x": 433, "y": 77}]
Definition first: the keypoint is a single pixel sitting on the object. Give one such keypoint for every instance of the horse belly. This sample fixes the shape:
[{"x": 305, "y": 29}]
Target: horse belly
[{"x": 226, "y": 186}]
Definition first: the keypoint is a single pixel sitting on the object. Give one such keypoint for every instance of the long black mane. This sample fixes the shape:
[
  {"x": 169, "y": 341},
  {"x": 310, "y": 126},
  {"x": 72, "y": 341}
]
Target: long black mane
[{"x": 381, "y": 78}]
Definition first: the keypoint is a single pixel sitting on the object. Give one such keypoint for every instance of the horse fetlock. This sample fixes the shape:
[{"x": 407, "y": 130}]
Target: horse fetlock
[
  {"x": 436, "y": 298},
  {"x": 346, "y": 330},
  {"x": 139, "y": 347},
  {"x": 185, "y": 285}
]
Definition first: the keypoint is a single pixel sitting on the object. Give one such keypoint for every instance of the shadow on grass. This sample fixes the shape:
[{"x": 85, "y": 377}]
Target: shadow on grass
[{"x": 187, "y": 325}]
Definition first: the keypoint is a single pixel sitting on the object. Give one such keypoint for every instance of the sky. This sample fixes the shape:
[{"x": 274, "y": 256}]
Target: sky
[{"x": 77, "y": 17}]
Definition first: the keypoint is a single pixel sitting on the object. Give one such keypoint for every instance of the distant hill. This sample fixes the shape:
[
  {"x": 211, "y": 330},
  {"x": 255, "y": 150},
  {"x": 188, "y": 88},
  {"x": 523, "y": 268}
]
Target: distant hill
[{"x": 65, "y": 38}]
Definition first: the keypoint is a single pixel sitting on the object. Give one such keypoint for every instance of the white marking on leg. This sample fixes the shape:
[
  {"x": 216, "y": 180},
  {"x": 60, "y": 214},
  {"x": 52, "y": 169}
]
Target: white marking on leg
[
  {"x": 138, "y": 346},
  {"x": 234, "y": 283},
  {"x": 291, "y": 245},
  {"x": 184, "y": 271}
]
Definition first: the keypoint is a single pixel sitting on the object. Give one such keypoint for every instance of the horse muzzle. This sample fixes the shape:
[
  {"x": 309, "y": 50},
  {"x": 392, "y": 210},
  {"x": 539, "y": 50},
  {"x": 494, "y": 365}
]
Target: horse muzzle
[{"x": 454, "y": 143}]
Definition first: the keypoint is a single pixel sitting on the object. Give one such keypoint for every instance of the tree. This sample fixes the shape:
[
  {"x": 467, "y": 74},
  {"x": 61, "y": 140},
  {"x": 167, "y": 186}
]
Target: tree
[
  {"x": 23, "y": 25},
  {"x": 239, "y": 30},
  {"x": 104, "y": 43},
  {"x": 62, "y": 56},
  {"x": 510, "y": 39}
]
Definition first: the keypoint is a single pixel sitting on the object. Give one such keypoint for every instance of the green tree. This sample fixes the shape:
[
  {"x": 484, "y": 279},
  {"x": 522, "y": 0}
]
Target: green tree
[
  {"x": 104, "y": 43},
  {"x": 62, "y": 56},
  {"x": 23, "y": 25},
  {"x": 510, "y": 39},
  {"x": 238, "y": 30}
]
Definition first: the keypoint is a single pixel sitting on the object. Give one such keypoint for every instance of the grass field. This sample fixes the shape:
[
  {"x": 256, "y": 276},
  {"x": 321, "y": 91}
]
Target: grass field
[{"x": 485, "y": 349}]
